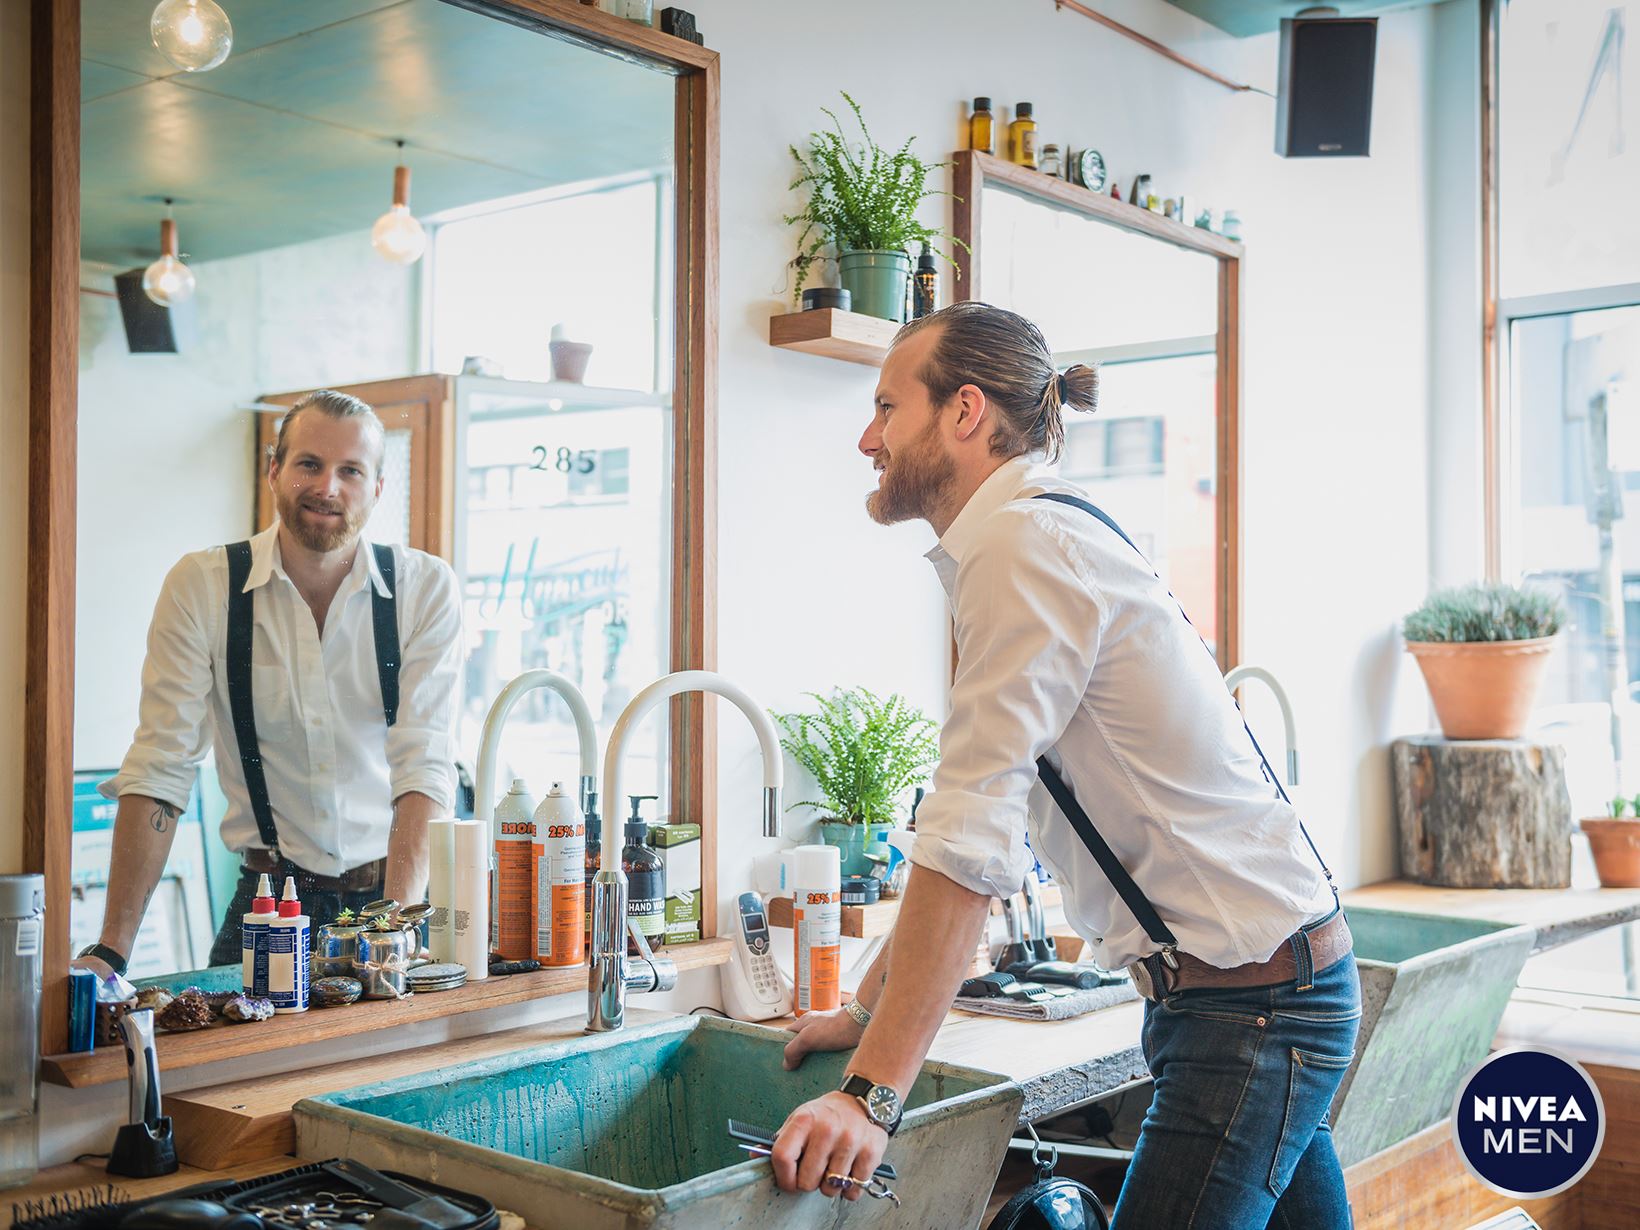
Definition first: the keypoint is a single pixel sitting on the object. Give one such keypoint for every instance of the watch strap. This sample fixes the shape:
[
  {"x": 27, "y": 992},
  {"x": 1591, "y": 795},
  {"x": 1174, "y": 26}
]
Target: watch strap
[
  {"x": 106, "y": 955},
  {"x": 860, "y": 1087}
]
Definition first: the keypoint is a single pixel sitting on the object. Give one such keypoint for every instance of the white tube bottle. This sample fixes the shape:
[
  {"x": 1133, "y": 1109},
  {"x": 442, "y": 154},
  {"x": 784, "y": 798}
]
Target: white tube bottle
[
  {"x": 288, "y": 952},
  {"x": 253, "y": 939},
  {"x": 817, "y": 928}
]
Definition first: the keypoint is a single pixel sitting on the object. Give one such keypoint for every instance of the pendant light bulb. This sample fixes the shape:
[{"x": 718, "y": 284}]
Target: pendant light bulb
[
  {"x": 168, "y": 281},
  {"x": 195, "y": 35},
  {"x": 397, "y": 236}
]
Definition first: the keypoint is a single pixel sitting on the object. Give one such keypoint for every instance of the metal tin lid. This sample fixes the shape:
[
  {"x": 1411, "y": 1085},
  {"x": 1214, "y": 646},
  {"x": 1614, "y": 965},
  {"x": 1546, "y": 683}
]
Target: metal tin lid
[
  {"x": 22, "y": 896},
  {"x": 414, "y": 915},
  {"x": 376, "y": 908}
]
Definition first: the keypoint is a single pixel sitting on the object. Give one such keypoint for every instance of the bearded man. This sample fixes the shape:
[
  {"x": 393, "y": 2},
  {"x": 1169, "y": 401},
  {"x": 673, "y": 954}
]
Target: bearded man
[{"x": 322, "y": 669}]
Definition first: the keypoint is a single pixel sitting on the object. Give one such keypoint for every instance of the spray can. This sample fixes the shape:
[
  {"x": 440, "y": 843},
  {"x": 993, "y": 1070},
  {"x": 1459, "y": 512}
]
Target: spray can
[
  {"x": 817, "y": 927},
  {"x": 288, "y": 953},
  {"x": 253, "y": 939},
  {"x": 513, "y": 891},
  {"x": 560, "y": 918}
]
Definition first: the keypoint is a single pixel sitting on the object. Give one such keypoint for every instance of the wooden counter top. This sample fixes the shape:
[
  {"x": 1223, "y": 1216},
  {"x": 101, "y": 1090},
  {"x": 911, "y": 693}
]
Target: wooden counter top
[{"x": 1560, "y": 915}]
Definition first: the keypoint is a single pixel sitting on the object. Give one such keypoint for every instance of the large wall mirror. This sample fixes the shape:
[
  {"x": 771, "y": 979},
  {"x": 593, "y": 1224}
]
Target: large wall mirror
[
  {"x": 1154, "y": 304},
  {"x": 541, "y": 369}
]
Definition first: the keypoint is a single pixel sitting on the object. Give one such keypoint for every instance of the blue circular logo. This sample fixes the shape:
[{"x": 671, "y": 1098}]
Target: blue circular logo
[{"x": 1528, "y": 1122}]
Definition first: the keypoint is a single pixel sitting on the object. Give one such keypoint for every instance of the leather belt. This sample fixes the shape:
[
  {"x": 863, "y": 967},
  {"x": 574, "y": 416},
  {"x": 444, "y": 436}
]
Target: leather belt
[
  {"x": 1329, "y": 940},
  {"x": 363, "y": 878}
]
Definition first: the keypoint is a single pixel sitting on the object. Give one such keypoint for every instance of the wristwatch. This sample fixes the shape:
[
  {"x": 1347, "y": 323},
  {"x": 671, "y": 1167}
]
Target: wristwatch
[
  {"x": 106, "y": 955},
  {"x": 882, "y": 1104}
]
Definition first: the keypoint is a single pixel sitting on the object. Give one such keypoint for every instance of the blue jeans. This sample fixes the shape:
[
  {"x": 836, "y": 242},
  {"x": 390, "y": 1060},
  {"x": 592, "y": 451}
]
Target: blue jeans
[{"x": 1237, "y": 1137}]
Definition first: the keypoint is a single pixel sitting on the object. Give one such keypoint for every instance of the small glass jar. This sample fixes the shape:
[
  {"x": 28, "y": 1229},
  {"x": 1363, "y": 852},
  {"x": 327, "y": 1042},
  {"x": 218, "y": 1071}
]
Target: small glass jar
[{"x": 1050, "y": 163}]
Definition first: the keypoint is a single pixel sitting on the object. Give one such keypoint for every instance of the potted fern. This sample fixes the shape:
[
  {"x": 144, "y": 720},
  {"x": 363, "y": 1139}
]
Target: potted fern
[
  {"x": 862, "y": 206},
  {"x": 864, "y": 754},
  {"x": 1482, "y": 650},
  {"x": 1614, "y": 840}
]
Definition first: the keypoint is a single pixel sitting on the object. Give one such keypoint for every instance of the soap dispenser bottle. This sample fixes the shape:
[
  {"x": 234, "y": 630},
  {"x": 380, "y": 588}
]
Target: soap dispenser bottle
[{"x": 645, "y": 877}]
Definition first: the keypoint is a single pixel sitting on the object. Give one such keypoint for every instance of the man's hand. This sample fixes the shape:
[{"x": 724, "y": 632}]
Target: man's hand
[
  {"x": 821, "y": 1031},
  {"x": 830, "y": 1135}
]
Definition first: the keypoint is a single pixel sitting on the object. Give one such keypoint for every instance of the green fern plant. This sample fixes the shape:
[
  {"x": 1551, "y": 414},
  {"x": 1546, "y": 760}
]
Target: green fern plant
[
  {"x": 863, "y": 752},
  {"x": 1485, "y": 613},
  {"x": 860, "y": 198}
]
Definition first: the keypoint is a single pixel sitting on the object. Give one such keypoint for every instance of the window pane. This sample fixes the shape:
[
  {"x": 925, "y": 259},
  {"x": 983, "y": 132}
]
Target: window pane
[{"x": 1569, "y": 146}]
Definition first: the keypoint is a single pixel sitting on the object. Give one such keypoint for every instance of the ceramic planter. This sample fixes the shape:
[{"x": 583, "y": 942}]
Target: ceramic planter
[
  {"x": 1483, "y": 689},
  {"x": 1616, "y": 847},
  {"x": 876, "y": 282},
  {"x": 852, "y": 840}
]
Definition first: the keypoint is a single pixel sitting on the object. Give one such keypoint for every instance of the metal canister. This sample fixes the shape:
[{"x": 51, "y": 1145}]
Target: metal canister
[
  {"x": 382, "y": 961},
  {"x": 335, "y": 945}
]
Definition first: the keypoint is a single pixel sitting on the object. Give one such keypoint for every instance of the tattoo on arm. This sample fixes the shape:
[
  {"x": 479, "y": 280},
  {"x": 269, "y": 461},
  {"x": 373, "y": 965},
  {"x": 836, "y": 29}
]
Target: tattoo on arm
[{"x": 162, "y": 816}]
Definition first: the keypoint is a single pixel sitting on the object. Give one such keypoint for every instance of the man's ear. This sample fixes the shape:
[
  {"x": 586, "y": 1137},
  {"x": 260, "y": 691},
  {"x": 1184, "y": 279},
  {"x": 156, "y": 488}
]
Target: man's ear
[{"x": 972, "y": 410}]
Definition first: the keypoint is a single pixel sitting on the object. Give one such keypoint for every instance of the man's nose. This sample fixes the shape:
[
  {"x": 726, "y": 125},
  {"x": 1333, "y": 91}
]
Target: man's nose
[
  {"x": 871, "y": 441},
  {"x": 330, "y": 482}
]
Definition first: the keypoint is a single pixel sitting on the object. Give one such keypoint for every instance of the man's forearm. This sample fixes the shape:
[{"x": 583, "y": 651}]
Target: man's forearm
[
  {"x": 871, "y": 986},
  {"x": 406, "y": 877},
  {"x": 144, "y": 829},
  {"x": 933, "y": 942}
]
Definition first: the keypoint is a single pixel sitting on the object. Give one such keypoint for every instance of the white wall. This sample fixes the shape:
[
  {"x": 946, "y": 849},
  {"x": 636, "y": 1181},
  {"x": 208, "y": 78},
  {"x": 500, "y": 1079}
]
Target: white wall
[{"x": 166, "y": 444}]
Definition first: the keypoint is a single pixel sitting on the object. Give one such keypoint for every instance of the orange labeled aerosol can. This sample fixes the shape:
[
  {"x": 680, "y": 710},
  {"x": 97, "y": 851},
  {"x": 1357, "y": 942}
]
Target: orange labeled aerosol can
[
  {"x": 517, "y": 851},
  {"x": 561, "y": 893},
  {"x": 817, "y": 927}
]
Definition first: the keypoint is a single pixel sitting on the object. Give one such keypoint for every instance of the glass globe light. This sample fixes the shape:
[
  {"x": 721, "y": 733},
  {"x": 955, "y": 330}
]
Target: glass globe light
[
  {"x": 168, "y": 281},
  {"x": 398, "y": 237},
  {"x": 195, "y": 35}
]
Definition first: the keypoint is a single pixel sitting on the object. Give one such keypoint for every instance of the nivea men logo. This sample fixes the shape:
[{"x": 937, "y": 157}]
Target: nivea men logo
[{"x": 1528, "y": 1122}]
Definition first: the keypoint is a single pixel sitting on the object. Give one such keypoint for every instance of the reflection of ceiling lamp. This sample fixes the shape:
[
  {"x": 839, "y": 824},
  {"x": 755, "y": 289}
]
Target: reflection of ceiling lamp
[
  {"x": 195, "y": 35},
  {"x": 397, "y": 235},
  {"x": 168, "y": 281}
]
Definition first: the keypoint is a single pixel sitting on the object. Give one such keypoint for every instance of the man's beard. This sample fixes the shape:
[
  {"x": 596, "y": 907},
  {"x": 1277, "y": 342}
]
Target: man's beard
[
  {"x": 324, "y": 538},
  {"x": 914, "y": 481}
]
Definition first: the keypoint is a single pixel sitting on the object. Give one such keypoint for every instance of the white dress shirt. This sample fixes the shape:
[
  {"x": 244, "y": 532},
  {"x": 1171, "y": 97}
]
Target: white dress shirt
[
  {"x": 333, "y": 765},
  {"x": 1069, "y": 645}
]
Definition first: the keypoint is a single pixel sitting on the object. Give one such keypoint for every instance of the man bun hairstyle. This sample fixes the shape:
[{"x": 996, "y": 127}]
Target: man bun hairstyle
[
  {"x": 1006, "y": 357},
  {"x": 337, "y": 406}
]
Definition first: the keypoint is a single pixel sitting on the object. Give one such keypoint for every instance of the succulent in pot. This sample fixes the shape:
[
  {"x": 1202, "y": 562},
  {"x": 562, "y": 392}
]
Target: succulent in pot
[{"x": 1614, "y": 840}]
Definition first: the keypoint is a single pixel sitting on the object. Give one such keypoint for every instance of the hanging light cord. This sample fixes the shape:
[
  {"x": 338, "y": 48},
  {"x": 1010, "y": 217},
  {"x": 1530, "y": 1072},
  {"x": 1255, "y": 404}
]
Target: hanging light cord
[{"x": 1161, "y": 49}]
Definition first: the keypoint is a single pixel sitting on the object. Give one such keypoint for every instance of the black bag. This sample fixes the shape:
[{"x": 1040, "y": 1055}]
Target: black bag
[{"x": 1051, "y": 1203}]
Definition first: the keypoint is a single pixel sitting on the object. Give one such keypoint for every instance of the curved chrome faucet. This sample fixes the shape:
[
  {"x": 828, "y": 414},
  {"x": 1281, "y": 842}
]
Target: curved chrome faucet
[
  {"x": 1234, "y": 679},
  {"x": 586, "y": 735},
  {"x": 612, "y": 971}
]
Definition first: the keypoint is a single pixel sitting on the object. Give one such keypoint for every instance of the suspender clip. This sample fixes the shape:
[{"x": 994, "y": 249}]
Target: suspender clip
[{"x": 1168, "y": 959}]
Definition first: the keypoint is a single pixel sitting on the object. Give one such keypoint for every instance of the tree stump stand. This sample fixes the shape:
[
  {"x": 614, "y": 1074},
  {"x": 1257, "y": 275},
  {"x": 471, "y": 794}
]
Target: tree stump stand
[{"x": 1487, "y": 813}]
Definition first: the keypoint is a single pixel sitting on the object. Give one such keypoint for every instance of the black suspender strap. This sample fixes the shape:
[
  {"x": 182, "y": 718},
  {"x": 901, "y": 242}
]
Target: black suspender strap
[
  {"x": 385, "y": 623},
  {"x": 241, "y": 703}
]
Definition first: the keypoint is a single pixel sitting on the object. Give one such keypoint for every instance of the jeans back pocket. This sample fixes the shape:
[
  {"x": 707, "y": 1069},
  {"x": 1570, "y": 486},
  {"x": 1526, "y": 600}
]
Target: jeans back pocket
[{"x": 1312, "y": 1080}]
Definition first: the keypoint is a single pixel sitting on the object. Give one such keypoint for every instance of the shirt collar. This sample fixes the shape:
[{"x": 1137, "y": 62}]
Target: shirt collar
[
  {"x": 265, "y": 561},
  {"x": 1003, "y": 485}
]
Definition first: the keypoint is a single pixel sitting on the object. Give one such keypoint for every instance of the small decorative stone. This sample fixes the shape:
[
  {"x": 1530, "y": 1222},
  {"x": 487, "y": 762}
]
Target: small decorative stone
[
  {"x": 187, "y": 1011},
  {"x": 245, "y": 1008},
  {"x": 219, "y": 1000},
  {"x": 334, "y": 992},
  {"x": 157, "y": 998}
]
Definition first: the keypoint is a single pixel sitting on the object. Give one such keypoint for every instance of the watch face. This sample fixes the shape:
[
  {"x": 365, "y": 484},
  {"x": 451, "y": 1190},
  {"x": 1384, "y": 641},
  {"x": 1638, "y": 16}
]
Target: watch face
[{"x": 883, "y": 1104}]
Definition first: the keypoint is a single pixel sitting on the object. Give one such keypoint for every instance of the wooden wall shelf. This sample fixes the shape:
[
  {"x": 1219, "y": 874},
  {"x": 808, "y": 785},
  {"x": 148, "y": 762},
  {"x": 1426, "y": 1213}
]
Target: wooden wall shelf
[
  {"x": 225, "y": 1041},
  {"x": 867, "y": 922},
  {"x": 849, "y": 336}
]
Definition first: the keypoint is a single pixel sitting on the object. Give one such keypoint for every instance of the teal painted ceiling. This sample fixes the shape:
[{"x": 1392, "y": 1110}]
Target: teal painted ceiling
[
  {"x": 1247, "y": 17},
  {"x": 292, "y": 138}
]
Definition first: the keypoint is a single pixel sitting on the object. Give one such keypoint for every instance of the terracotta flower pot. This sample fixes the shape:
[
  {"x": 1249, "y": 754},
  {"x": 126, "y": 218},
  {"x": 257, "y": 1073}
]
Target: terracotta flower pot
[
  {"x": 1616, "y": 846},
  {"x": 1483, "y": 689}
]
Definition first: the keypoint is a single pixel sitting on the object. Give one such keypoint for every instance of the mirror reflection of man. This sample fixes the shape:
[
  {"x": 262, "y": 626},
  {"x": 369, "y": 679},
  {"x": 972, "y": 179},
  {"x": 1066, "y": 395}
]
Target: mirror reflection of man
[{"x": 350, "y": 735}]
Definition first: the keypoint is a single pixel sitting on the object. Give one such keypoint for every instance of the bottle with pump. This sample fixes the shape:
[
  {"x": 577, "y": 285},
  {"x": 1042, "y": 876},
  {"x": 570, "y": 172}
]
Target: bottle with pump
[
  {"x": 595, "y": 827},
  {"x": 514, "y": 887},
  {"x": 253, "y": 941},
  {"x": 645, "y": 877},
  {"x": 561, "y": 903},
  {"x": 924, "y": 285},
  {"x": 288, "y": 953},
  {"x": 1022, "y": 137},
  {"x": 982, "y": 130}
]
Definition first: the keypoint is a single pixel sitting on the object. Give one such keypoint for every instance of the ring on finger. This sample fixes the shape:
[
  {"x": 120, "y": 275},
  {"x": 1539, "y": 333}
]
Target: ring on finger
[{"x": 841, "y": 1182}]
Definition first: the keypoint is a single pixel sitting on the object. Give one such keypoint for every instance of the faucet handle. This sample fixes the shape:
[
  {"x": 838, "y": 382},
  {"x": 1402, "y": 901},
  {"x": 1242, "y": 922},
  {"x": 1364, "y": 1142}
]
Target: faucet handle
[{"x": 641, "y": 939}]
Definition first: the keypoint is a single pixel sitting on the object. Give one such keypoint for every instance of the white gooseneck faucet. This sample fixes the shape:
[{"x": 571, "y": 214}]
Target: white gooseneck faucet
[
  {"x": 586, "y": 735},
  {"x": 612, "y": 972},
  {"x": 1233, "y": 680}
]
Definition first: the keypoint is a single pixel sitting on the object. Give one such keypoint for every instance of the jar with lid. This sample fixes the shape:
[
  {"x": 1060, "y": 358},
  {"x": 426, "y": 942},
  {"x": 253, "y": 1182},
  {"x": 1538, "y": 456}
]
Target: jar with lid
[{"x": 1049, "y": 162}]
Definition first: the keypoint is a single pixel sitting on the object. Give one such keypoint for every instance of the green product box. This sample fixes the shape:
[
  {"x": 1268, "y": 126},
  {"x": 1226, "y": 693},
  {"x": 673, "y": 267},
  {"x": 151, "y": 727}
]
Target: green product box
[{"x": 679, "y": 848}]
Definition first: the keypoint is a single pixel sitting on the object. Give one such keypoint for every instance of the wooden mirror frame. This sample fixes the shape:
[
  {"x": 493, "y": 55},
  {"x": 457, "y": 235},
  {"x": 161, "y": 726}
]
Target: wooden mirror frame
[
  {"x": 45, "y": 798},
  {"x": 974, "y": 170}
]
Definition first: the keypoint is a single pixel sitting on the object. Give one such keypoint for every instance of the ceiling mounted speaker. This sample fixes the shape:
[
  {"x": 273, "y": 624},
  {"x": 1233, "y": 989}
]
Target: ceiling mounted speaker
[{"x": 1324, "y": 99}]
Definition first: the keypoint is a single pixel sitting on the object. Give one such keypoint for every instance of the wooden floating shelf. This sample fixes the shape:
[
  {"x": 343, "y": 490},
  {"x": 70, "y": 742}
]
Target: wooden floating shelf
[
  {"x": 867, "y": 922},
  {"x": 849, "y": 336},
  {"x": 227, "y": 1041}
]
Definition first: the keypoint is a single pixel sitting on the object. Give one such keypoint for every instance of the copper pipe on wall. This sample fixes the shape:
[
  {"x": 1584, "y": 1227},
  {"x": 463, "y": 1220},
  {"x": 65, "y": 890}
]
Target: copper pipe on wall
[
  {"x": 1492, "y": 453},
  {"x": 1160, "y": 49}
]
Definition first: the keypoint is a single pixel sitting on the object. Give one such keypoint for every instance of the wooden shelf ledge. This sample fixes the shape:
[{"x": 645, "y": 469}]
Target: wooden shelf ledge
[
  {"x": 227, "y": 1041},
  {"x": 867, "y": 922},
  {"x": 849, "y": 336}
]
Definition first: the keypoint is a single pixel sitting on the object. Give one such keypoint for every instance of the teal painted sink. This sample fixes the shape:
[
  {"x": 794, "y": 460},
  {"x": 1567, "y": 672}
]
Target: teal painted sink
[
  {"x": 626, "y": 1130},
  {"x": 1433, "y": 990}
]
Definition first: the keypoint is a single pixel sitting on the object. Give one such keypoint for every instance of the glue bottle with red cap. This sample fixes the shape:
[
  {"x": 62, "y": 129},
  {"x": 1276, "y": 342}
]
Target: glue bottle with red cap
[
  {"x": 253, "y": 939},
  {"x": 288, "y": 953}
]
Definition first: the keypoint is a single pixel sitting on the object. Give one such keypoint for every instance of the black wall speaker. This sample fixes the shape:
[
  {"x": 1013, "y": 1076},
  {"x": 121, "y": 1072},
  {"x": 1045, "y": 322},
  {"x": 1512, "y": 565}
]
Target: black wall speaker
[
  {"x": 148, "y": 327},
  {"x": 1324, "y": 103}
]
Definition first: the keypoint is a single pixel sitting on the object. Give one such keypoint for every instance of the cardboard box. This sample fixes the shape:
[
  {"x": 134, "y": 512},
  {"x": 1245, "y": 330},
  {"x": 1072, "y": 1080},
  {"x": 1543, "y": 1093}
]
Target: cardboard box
[{"x": 679, "y": 848}]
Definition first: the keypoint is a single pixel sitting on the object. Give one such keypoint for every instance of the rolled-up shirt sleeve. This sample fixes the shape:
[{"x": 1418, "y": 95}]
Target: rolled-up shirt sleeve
[
  {"x": 421, "y": 745},
  {"x": 1028, "y": 625},
  {"x": 172, "y": 735}
]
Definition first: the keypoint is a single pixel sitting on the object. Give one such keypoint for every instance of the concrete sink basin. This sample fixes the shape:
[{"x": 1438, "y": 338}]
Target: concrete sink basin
[
  {"x": 627, "y": 1130},
  {"x": 1433, "y": 990}
]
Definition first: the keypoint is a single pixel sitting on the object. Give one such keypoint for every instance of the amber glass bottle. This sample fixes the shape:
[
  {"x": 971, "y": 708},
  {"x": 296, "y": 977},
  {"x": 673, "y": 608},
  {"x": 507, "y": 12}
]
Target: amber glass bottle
[
  {"x": 1022, "y": 137},
  {"x": 982, "y": 129}
]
